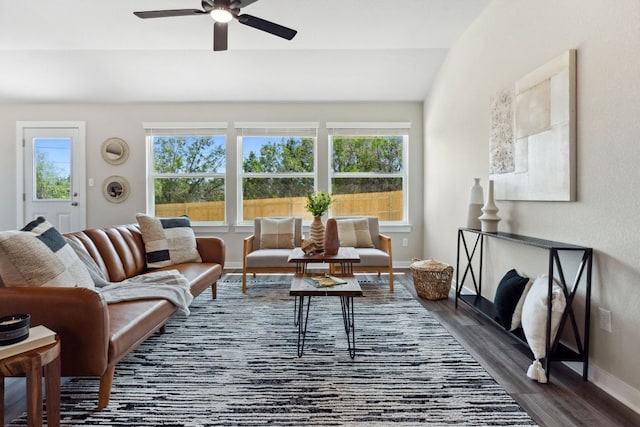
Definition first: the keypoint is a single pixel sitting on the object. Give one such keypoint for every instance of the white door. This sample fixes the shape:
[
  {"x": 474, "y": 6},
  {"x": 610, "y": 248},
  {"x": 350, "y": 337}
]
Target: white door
[{"x": 54, "y": 175}]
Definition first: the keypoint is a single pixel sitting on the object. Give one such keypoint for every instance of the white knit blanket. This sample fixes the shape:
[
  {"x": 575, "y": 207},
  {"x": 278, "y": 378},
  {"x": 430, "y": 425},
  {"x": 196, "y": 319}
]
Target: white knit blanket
[{"x": 169, "y": 284}]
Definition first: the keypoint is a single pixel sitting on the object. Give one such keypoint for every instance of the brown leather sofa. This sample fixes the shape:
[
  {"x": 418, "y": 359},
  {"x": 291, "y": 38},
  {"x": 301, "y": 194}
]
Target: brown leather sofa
[{"x": 95, "y": 335}]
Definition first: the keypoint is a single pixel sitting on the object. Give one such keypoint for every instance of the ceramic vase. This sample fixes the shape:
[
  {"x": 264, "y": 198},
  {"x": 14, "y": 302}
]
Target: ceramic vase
[
  {"x": 476, "y": 200},
  {"x": 331, "y": 239},
  {"x": 316, "y": 232},
  {"x": 489, "y": 219}
]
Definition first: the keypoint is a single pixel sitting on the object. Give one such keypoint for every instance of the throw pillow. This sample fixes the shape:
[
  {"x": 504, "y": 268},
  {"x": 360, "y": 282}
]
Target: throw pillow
[
  {"x": 168, "y": 241},
  {"x": 38, "y": 255},
  {"x": 354, "y": 233},
  {"x": 277, "y": 233},
  {"x": 516, "y": 319},
  {"x": 534, "y": 314},
  {"x": 510, "y": 290}
]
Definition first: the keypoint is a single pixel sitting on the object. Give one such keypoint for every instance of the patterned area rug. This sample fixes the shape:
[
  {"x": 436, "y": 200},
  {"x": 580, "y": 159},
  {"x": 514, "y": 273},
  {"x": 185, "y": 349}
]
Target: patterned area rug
[{"x": 233, "y": 362}]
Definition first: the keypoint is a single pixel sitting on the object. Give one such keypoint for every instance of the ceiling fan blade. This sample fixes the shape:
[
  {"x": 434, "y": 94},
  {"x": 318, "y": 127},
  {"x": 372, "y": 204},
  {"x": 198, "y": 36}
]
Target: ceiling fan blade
[
  {"x": 220, "y": 31},
  {"x": 245, "y": 3},
  {"x": 268, "y": 26},
  {"x": 168, "y": 13}
]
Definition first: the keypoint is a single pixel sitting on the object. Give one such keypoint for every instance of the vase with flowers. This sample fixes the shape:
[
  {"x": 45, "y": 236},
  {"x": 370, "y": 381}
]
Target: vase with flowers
[{"x": 317, "y": 205}]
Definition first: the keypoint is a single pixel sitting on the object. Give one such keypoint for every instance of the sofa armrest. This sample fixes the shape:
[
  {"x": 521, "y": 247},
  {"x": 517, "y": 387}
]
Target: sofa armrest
[
  {"x": 211, "y": 249},
  {"x": 78, "y": 315}
]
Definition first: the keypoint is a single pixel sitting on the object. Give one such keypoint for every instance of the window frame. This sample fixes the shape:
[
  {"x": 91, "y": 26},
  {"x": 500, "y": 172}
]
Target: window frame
[
  {"x": 379, "y": 129},
  {"x": 184, "y": 129},
  {"x": 272, "y": 129}
]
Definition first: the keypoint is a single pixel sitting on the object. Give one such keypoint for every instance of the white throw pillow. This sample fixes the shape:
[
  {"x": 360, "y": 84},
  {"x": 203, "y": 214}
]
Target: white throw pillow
[
  {"x": 534, "y": 314},
  {"x": 516, "y": 319}
]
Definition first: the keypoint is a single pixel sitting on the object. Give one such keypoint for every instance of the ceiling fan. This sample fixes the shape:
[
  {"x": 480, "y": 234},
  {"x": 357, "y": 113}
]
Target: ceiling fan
[{"x": 222, "y": 12}]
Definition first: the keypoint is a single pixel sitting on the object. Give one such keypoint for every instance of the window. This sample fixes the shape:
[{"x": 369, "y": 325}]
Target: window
[
  {"x": 278, "y": 168},
  {"x": 368, "y": 169},
  {"x": 52, "y": 160},
  {"x": 187, "y": 166}
]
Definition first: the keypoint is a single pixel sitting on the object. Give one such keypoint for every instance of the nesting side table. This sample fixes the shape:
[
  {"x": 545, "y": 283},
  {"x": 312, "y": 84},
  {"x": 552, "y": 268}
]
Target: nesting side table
[{"x": 31, "y": 364}]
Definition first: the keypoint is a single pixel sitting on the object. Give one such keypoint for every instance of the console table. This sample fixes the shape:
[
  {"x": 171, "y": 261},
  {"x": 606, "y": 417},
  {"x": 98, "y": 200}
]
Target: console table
[{"x": 555, "y": 350}]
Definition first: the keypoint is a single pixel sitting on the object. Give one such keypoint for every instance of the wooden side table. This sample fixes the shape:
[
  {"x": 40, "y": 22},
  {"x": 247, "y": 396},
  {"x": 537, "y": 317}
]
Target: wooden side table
[{"x": 31, "y": 365}]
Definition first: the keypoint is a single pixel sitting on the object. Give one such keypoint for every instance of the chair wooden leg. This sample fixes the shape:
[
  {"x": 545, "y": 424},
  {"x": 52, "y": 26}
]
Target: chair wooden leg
[
  {"x": 390, "y": 280},
  {"x": 105, "y": 387},
  {"x": 244, "y": 282}
]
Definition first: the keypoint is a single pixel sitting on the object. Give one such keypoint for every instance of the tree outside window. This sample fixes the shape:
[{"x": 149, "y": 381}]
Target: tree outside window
[
  {"x": 276, "y": 173},
  {"x": 189, "y": 176},
  {"x": 368, "y": 176}
]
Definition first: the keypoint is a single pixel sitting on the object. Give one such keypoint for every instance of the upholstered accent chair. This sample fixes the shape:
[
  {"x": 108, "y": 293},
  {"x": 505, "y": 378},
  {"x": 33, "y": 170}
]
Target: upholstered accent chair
[
  {"x": 374, "y": 248},
  {"x": 268, "y": 248}
]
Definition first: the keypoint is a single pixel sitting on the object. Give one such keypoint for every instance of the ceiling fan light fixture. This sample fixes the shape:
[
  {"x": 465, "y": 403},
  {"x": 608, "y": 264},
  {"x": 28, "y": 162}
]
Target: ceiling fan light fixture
[{"x": 221, "y": 15}]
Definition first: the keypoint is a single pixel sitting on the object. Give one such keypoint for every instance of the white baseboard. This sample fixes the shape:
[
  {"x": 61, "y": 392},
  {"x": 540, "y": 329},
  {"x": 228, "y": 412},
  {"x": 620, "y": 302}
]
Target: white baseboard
[{"x": 611, "y": 385}]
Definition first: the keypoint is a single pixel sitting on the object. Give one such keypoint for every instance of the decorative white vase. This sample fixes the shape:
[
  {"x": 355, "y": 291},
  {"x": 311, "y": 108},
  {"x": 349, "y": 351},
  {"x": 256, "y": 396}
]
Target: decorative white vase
[
  {"x": 489, "y": 219},
  {"x": 476, "y": 199}
]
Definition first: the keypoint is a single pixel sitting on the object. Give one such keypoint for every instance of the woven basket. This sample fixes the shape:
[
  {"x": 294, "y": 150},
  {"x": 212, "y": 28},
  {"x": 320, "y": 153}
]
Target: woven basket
[{"x": 432, "y": 279}]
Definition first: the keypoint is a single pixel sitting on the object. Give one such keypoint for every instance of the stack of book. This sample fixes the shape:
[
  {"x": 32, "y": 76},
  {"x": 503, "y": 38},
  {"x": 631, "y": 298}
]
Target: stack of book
[
  {"x": 39, "y": 336},
  {"x": 324, "y": 281}
]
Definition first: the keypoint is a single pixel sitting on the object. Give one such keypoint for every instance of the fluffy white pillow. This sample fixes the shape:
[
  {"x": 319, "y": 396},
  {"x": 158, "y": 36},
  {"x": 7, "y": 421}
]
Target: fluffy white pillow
[
  {"x": 516, "y": 319},
  {"x": 534, "y": 314}
]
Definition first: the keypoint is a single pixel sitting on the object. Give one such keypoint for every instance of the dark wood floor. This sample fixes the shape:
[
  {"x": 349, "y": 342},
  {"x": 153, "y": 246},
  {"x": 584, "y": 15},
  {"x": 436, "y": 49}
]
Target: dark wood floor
[{"x": 563, "y": 402}]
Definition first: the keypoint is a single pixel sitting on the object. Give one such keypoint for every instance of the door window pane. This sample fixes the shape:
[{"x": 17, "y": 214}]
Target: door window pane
[{"x": 52, "y": 161}]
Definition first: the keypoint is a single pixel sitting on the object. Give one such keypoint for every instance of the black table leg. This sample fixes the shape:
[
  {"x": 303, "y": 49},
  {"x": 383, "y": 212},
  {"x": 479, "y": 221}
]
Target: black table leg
[
  {"x": 349, "y": 324},
  {"x": 301, "y": 322}
]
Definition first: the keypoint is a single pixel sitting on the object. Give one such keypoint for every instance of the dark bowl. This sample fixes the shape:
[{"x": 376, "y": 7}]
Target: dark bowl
[{"x": 14, "y": 328}]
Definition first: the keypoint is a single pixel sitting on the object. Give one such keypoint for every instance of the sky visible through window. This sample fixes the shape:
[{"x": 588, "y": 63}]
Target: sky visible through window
[
  {"x": 254, "y": 143},
  {"x": 56, "y": 151}
]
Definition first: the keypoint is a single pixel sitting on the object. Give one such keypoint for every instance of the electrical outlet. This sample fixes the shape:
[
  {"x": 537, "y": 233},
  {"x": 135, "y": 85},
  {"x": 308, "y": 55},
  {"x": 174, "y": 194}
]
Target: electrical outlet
[
  {"x": 605, "y": 319},
  {"x": 405, "y": 242}
]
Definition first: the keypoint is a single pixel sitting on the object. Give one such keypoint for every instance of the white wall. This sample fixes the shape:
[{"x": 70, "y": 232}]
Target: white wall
[
  {"x": 125, "y": 121},
  {"x": 509, "y": 39}
]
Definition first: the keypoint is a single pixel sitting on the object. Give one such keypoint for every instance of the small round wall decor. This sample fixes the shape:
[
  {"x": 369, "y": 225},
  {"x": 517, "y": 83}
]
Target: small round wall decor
[
  {"x": 115, "y": 151},
  {"x": 116, "y": 189}
]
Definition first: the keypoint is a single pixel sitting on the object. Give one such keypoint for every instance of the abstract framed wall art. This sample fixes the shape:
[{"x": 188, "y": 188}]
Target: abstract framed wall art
[{"x": 532, "y": 143}]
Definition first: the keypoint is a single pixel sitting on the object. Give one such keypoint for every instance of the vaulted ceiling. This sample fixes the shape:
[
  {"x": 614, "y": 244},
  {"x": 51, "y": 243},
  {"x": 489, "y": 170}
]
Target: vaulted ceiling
[{"x": 88, "y": 51}]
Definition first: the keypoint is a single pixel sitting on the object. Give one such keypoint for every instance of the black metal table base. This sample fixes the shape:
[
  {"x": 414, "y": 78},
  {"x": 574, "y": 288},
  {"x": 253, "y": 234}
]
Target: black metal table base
[{"x": 348, "y": 318}]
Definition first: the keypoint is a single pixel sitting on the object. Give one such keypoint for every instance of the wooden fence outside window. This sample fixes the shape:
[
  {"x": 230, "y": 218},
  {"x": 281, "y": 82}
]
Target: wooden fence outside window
[{"x": 387, "y": 206}]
